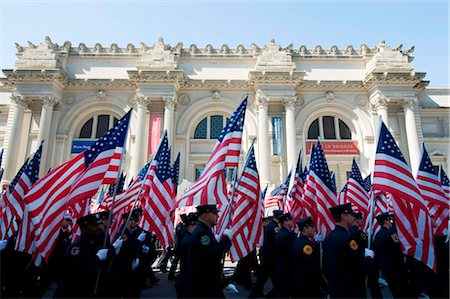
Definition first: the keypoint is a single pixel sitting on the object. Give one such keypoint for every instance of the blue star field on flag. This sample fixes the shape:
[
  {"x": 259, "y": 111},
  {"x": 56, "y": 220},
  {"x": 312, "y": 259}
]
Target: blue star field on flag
[
  {"x": 236, "y": 121},
  {"x": 425, "y": 162},
  {"x": 356, "y": 173},
  {"x": 115, "y": 137},
  {"x": 367, "y": 183},
  {"x": 30, "y": 168},
  {"x": 176, "y": 170},
  {"x": 163, "y": 168},
  {"x": 444, "y": 179},
  {"x": 320, "y": 167},
  {"x": 386, "y": 144}
]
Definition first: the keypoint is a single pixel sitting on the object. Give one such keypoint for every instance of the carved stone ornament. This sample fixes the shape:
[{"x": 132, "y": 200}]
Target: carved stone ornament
[
  {"x": 49, "y": 101},
  {"x": 19, "y": 100},
  {"x": 157, "y": 57},
  {"x": 170, "y": 101},
  {"x": 101, "y": 94},
  {"x": 216, "y": 95},
  {"x": 409, "y": 102},
  {"x": 330, "y": 96},
  {"x": 274, "y": 58},
  {"x": 300, "y": 101},
  {"x": 137, "y": 100},
  {"x": 379, "y": 102},
  {"x": 361, "y": 100},
  {"x": 42, "y": 56},
  {"x": 68, "y": 99},
  {"x": 261, "y": 99},
  {"x": 184, "y": 99},
  {"x": 289, "y": 102},
  {"x": 387, "y": 57},
  {"x": 445, "y": 127}
]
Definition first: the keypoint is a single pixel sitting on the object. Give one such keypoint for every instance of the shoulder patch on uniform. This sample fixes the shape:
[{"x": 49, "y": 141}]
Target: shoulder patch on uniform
[
  {"x": 395, "y": 238},
  {"x": 363, "y": 235},
  {"x": 205, "y": 240},
  {"x": 307, "y": 249},
  {"x": 277, "y": 229},
  {"x": 75, "y": 250},
  {"x": 353, "y": 245}
]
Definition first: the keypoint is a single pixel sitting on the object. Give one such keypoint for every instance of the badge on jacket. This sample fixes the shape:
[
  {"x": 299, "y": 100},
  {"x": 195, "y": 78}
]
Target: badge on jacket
[
  {"x": 75, "y": 250},
  {"x": 307, "y": 249},
  {"x": 353, "y": 245},
  {"x": 205, "y": 240},
  {"x": 395, "y": 238},
  {"x": 277, "y": 230}
]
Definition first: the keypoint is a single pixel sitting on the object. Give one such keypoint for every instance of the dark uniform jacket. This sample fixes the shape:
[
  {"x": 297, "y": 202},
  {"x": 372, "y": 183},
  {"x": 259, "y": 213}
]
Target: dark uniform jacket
[
  {"x": 268, "y": 248},
  {"x": 307, "y": 277},
  {"x": 182, "y": 252},
  {"x": 204, "y": 263},
  {"x": 343, "y": 264},
  {"x": 80, "y": 269},
  {"x": 283, "y": 267}
]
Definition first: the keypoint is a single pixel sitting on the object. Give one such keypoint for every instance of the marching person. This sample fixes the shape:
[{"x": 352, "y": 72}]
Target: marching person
[
  {"x": 283, "y": 251},
  {"x": 82, "y": 261},
  {"x": 190, "y": 222},
  {"x": 204, "y": 263},
  {"x": 307, "y": 279},
  {"x": 389, "y": 256},
  {"x": 180, "y": 230},
  {"x": 267, "y": 255},
  {"x": 343, "y": 262}
]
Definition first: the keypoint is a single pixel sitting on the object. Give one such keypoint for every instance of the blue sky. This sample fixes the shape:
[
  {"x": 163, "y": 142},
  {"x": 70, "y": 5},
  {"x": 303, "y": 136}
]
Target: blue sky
[{"x": 422, "y": 24}]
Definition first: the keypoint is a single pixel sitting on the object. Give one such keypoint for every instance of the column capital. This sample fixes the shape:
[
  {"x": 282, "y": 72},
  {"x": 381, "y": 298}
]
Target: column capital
[
  {"x": 49, "y": 101},
  {"x": 138, "y": 100},
  {"x": 289, "y": 102},
  {"x": 379, "y": 103},
  {"x": 409, "y": 102},
  {"x": 19, "y": 100},
  {"x": 261, "y": 99},
  {"x": 170, "y": 102}
]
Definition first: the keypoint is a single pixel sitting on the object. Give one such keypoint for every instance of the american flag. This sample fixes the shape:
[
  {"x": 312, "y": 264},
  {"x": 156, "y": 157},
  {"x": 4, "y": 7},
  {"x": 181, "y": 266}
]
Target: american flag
[
  {"x": 432, "y": 192},
  {"x": 392, "y": 174},
  {"x": 357, "y": 194},
  {"x": 445, "y": 183},
  {"x": 224, "y": 216},
  {"x": 1, "y": 168},
  {"x": 158, "y": 199},
  {"x": 342, "y": 194},
  {"x": 246, "y": 219},
  {"x": 73, "y": 182},
  {"x": 176, "y": 172},
  {"x": 263, "y": 193},
  {"x": 320, "y": 190},
  {"x": 120, "y": 185},
  {"x": 297, "y": 191},
  {"x": 211, "y": 188},
  {"x": 277, "y": 196},
  {"x": 14, "y": 195}
]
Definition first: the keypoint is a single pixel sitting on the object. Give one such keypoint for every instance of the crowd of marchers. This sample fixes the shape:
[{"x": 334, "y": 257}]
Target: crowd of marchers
[{"x": 297, "y": 261}]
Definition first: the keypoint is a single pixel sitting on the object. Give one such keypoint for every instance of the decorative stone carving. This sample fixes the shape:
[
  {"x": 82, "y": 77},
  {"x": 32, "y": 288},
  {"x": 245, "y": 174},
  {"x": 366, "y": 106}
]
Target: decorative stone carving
[
  {"x": 42, "y": 56},
  {"x": 224, "y": 49},
  {"x": 157, "y": 57},
  {"x": 178, "y": 48},
  {"x": 170, "y": 102},
  {"x": 261, "y": 99},
  {"x": 184, "y": 99},
  {"x": 131, "y": 48},
  {"x": 334, "y": 50},
  {"x": 67, "y": 46},
  {"x": 138, "y": 100},
  {"x": 274, "y": 58},
  {"x": 209, "y": 49},
  {"x": 364, "y": 49},
  {"x": 361, "y": 100},
  {"x": 68, "y": 99},
  {"x": 349, "y": 50},
  {"x": 409, "y": 102},
  {"x": 98, "y": 48},
  {"x": 101, "y": 94},
  {"x": 19, "y": 100},
  {"x": 193, "y": 49},
  {"x": 49, "y": 101},
  {"x": 330, "y": 96},
  {"x": 82, "y": 48},
  {"x": 318, "y": 50},
  {"x": 444, "y": 124},
  {"x": 388, "y": 58},
  {"x": 379, "y": 102},
  {"x": 241, "y": 49},
  {"x": 289, "y": 102},
  {"x": 19, "y": 48},
  {"x": 216, "y": 95},
  {"x": 144, "y": 47},
  {"x": 303, "y": 50},
  {"x": 114, "y": 48},
  {"x": 255, "y": 48},
  {"x": 300, "y": 101}
]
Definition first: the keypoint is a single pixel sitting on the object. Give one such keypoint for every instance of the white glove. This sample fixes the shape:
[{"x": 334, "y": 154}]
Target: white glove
[
  {"x": 145, "y": 249},
  {"x": 3, "y": 244},
  {"x": 102, "y": 253},
  {"x": 141, "y": 237},
  {"x": 318, "y": 237},
  {"x": 369, "y": 253},
  {"x": 227, "y": 232},
  {"x": 118, "y": 244},
  {"x": 232, "y": 288},
  {"x": 135, "y": 263}
]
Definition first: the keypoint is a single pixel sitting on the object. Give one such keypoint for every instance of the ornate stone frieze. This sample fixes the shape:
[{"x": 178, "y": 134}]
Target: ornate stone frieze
[
  {"x": 361, "y": 100},
  {"x": 184, "y": 99},
  {"x": 289, "y": 102},
  {"x": 50, "y": 101},
  {"x": 101, "y": 94},
  {"x": 263, "y": 77},
  {"x": 68, "y": 99},
  {"x": 379, "y": 102},
  {"x": 410, "y": 102},
  {"x": 42, "y": 56},
  {"x": 330, "y": 85},
  {"x": 330, "y": 96},
  {"x": 100, "y": 84},
  {"x": 139, "y": 100},
  {"x": 170, "y": 102},
  {"x": 274, "y": 58},
  {"x": 16, "y": 76},
  {"x": 388, "y": 58},
  {"x": 215, "y": 95},
  {"x": 157, "y": 57},
  {"x": 261, "y": 99},
  {"x": 19, "y": 100}
]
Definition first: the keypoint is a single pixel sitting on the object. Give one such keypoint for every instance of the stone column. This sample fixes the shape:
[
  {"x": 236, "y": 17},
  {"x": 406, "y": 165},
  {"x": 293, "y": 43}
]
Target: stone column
[
  {"x": 140, "y": 153},
  {"x": 263, "y": 139},
  {"x": 169, "y": 111},
  {"x": 379, "y": 105},
  {"x": 291, "y": 149},
  {"x": 44, "y": 130},
  {"x": 409, "y": 105},
  {"x": 20, "y": 104}
]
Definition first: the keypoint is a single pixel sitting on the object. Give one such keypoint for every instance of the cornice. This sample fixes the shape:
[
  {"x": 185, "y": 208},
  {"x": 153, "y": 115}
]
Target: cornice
[
  {"x": 14, "y": 77},
  {"x": 100, "y": 83},
  {"x": 161, "y": 77},
  {"x": 268, "y": 77},
  {"x": 395, "y": 78},
  {"x": 307, "y": 85},
  {"x": 215, "y": 85}
]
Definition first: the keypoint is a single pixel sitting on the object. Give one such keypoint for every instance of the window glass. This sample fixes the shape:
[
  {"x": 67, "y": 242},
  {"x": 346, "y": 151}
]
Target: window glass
[
  {"x": 200, "y": 131},
  {"x": 277, "y": 135},
  {"x": 328, "y": 127},
  {"x": 313, "y": 131},
  {"x": 344, "y": 131},
  {"x": 102, "y": 125},
  {"x": 198, "y": 172},
  {"x": 86, "y": 130},
  {"x": 216, "y": 126}
]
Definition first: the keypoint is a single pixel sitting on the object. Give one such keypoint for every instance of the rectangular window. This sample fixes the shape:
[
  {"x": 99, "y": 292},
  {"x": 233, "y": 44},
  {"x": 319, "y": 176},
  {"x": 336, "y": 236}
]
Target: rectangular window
[
  {"x": 277, "y": 135},
  {"x": 198, "y": 171},
  {"x": 216, "y": 126},
  {"x": 328, "y": 127}
]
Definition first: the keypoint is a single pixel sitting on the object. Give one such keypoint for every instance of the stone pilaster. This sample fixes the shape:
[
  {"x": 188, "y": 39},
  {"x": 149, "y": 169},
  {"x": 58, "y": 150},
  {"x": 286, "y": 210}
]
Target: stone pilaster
[
  {"x": 140, "y": 148},
  {"x": 291, "y": 150},
  {"x": 409, "y": 106},
  {"x": 262, "y": 102},
  {"x": 44, "y": 130},
  {"x": 169, "y": 116}
]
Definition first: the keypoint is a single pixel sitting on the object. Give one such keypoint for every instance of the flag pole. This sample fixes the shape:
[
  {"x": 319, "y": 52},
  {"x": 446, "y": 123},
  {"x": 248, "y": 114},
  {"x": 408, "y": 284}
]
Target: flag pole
[{"x": 370, "y": 218}]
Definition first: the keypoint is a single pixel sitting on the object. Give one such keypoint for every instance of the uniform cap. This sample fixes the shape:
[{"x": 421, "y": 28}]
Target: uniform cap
[
  {"x": 383, "y": 217},
  {"x": 207, "y": 208},
  {"x": 304, "y": 222},
  {"x": 91, "y": 219},
  {"x": 277, "y": 213},
  {"x": 358, "y": 215},
  {"x": 191, "y": 219},
  {"x": 338, "y": 210},
  {"x": 284, "y": 217},
  {"x": 134, "y": 215},
  {"x": 103, "y": 214}
]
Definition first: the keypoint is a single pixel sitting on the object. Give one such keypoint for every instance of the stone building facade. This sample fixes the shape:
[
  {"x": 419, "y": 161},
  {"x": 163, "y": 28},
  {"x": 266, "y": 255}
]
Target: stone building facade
[{"x": 69, "y": 95}]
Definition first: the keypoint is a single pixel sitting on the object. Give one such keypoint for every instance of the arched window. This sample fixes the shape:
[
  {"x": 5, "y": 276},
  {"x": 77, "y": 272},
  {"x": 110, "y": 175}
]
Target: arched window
[
  {"x": 96, "y": 126},
  {"x": 329, "y": 128},
  {"x": 210, "y": 127}
]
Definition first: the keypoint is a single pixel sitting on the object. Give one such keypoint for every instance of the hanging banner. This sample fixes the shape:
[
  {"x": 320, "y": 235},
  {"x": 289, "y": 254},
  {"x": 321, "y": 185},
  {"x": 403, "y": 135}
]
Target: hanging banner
[
  {"x": 335, "y": 147},
  {"x": 155, "y": 134}
]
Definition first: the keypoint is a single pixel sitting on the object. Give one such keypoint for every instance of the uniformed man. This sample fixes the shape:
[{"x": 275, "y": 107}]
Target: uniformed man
[
  {"x": 441, "y": 287},
  {"x": 190, "y": 222},
  {"x": 283, "y": 251},
  {"x": 343, "y": 263},
  {"x": 205, "y": 256},
  {"x": 389, "y": 256},
  {"x": 82, "y": 261},
  {"x": 267, "y": 255},
  {"x": 180, "y": 230},
  {"x": 307, "y": 279}
]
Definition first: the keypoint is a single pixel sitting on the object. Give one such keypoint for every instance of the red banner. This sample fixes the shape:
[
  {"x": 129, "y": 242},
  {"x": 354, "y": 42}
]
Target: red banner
[
  {"x": 336, "y": 147},
  {"x": 155, "y": 134}
]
